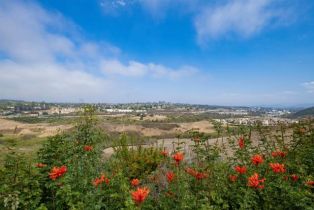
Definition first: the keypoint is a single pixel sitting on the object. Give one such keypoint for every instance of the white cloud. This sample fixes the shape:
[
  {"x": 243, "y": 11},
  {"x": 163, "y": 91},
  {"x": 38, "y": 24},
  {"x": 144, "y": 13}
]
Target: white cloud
[
  {"x": 309, "y": 86},
  {"x": 137, "y": 69},
  {"x": 50, "y": 82},
  {"x": 216, "y": 19},
  {"x": 44, "y": 57},
  {"x": 240, "y": 17}
]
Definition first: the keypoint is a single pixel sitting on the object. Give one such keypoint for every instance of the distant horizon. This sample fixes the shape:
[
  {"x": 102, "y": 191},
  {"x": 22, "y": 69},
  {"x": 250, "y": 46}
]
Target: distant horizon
[
  {"x": 231, "y": 52},
  {"x": 142, "y": 102}
]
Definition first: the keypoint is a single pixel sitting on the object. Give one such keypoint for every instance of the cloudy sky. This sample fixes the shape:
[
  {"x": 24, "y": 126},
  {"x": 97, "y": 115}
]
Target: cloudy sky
[{"x": 227, "y": 52}]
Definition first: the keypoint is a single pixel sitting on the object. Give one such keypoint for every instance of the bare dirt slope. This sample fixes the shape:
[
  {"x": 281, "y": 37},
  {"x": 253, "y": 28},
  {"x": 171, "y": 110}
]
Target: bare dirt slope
[
  {"x": 39, "y": 129},
  {"x": 202, "y": 126}
]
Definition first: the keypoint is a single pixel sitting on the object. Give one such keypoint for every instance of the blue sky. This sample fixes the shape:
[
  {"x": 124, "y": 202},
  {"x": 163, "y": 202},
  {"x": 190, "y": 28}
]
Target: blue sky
[{"x": 228, "y": 52}]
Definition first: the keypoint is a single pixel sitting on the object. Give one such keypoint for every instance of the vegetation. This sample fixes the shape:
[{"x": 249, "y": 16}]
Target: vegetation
[
  {"x": 26, "y": 145},
  {"x": 49, "y": 119},
  {"x": 247, "y": 168},
  {"x": 304, "y": 113}
]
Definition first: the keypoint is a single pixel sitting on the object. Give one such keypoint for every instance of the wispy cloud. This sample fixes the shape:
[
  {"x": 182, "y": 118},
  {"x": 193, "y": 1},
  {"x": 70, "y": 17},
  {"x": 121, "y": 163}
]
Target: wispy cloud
[
  {"x": 156, "y": 8},
  {"x": 138, "y": 69},
  {"x": 216, "y": 19},
  {"x": 243, "y": 18}
]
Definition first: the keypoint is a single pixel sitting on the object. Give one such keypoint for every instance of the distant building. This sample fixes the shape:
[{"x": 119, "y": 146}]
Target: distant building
[{"x": 124, "y": 111}]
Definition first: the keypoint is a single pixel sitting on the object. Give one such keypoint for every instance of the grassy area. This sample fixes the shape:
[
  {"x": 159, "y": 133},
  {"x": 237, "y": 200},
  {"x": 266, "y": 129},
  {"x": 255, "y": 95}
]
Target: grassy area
[
  {"x": 50, "y": 119},
  {"x": 26, "y": 145}
]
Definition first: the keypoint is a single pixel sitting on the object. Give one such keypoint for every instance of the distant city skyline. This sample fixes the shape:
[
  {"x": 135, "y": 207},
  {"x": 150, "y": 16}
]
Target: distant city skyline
[{"x": 230, "y": 52}]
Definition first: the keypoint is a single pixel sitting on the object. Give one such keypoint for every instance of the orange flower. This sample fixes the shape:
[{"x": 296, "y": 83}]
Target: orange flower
[
  {"x": 233, "y": 178},
  {"x": 97, "y": 181},
  {"x": 170, "y": 176},
  {"x": 56, "y": 172},
  {"x": 191, "y": 171},
  {"x": 277, "y": 167},
  {"x": 88, "y": 148},
  {"x": 201, "y": 175},
  {"x": 40, "y": 165},
  {"x": 310, "y": 183},
  {"x": 241, "y": 142},
  {"x": 164, "y": 153},
  {"x": 240, "y": 170},
  {"x": 140, "y": 195},
  {"x": 257, "y": 159},
  {"x": 178, "y": 157},
  {"x": 278, "y": 154},
  {"x": 198, "y": 175},
  {"x": 254, "y": 181},
  {"x": 135, "y": 182},
  {"x": 294, "y": 177}
]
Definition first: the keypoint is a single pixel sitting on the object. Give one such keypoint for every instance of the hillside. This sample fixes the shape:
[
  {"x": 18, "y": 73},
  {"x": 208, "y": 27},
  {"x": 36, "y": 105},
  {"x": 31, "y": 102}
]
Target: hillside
[{"x": 304, "y": 113}]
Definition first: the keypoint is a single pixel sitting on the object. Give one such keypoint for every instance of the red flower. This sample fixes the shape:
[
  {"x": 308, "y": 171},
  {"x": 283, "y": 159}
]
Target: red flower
[
  {"x": 240, "y": 170},
  {"x": 178, "y": 157},
  {"x": 277, "y": 167},
  {"x": 135, "y": 182},
  {"x": 241, "y": 142},
  {"x": 170, "y": 176},
  {"x": 191, "y": 171},
  {"x": 40, "y": 165},
  {"x": 254, "y": 182},
  {"x": 294, "y": 177},
  {"x": 310, "y": 183},
  {"x": 198, "y": 175},
  {"x": 56, "y": 172},
  {"x": 140, "y": 195},
  {"x": 278, "y": 154},
  {"x": 88, "y": 148},
  {"x": 233, "y": 178},
  {"x": 97, "y": 181},
  {"x": 201, "y": 175},
  {"x": 257, "y": 159},
  {"x": 164, "y": 153}
]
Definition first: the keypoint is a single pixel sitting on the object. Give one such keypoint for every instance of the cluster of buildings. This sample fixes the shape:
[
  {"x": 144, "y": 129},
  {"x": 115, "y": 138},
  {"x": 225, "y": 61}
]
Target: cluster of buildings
[
  {"x": 37, "y": 110},
  {"x": 266, "y": 121},
  {"x": 124, "y": 111}
]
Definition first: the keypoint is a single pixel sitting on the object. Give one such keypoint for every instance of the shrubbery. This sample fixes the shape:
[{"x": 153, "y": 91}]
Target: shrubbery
[{"x": 268, "y": 171}]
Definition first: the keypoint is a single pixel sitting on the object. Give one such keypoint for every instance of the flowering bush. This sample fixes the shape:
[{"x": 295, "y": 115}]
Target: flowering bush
[{"x": 251, "y": 167}]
